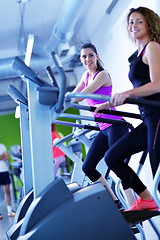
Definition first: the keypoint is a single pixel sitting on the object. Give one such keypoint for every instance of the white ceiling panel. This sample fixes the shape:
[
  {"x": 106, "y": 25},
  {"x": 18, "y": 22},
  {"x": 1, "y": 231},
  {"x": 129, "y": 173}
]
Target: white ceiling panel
[{"x": 19, "y": 18}]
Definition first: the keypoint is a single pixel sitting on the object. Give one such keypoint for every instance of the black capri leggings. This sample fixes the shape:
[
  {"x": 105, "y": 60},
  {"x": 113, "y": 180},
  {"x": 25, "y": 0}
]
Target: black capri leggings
[
  {"x": 103, "y": 141},
  {"x": 145, "y": 136}
]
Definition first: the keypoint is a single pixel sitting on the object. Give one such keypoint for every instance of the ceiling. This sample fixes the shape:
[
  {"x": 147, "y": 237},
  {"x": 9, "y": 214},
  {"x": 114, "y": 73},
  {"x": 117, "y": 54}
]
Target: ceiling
[{"x": 57, "y": 25}]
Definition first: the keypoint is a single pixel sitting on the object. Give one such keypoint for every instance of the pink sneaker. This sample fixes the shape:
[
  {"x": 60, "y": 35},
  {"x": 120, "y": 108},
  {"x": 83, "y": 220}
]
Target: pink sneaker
[{"x": 141, "y": 204}]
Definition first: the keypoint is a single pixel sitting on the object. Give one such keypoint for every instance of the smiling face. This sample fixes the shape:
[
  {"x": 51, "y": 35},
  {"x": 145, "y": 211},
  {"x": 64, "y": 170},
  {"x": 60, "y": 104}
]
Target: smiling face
[
  {"x": 138, "y": 26},
  {"x": 89, "y": 58}
]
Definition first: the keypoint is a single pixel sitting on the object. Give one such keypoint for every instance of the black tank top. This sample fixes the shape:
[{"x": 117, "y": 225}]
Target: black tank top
[{"x": 139, "y": 76}]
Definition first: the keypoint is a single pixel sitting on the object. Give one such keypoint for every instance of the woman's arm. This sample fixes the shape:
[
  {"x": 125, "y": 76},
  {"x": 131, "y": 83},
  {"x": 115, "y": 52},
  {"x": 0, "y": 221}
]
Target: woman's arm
[
  {"x": 102, "y": 79},
  {"x": 81, "y": 83},
  {"x": 102, "y": 106},
  {"x": 80, "y": 87},
  {"x": 4, "y": 156}
]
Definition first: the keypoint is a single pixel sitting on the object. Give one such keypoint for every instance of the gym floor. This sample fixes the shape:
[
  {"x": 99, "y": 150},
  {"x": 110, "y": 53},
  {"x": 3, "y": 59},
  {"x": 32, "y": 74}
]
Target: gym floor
[{"x": 6, "y": 222}]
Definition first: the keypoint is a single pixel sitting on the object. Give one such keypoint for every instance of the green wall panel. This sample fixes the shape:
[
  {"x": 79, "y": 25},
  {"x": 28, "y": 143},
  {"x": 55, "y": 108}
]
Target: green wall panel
[{"x": 9, "y": 130}]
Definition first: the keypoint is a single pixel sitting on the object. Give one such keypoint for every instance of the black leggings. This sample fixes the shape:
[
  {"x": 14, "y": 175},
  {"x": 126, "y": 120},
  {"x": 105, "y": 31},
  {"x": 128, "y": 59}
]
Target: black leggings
[
  {"x": 103, "y": 141},
  {"x": 145, "y": 136}
]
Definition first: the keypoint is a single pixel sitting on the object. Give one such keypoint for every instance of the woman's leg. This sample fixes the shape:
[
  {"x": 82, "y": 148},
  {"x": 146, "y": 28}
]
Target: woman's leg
[
  {"x": 8, "y": 200},
  {"x": 152, "y": 123},
  {"x": 129, "y": 196},
  {"x": 94, "y": 155},
  {"x": 135, "y": 141},
  {"x": 115, "y": 133},
  {"x": 105, "y": 183},
  {"x": 7, "y": 194},
  {"x": 132, "y": 143},
  {"x": 102, "y": 142}
]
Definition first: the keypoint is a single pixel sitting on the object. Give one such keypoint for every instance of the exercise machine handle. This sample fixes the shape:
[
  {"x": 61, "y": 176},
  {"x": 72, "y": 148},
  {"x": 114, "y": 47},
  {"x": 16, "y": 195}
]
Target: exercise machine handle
[
  {"x": 142, "y": 102},
  {"x": 62, "y": 86},
  {"x": 68, "y": 96},
  {"x": 51, "y": 76},
  {"x": 16, "y": 95},
  {"x": 70, "y": 124},
  {"x": 24, "y": 71},
  {"x": 107, "y": 98},
  {"x": 106, "y": 111}
]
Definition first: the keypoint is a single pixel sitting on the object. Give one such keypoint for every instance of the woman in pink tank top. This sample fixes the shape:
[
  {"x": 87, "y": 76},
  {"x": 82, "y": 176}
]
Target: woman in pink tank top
[{"x": 97, "y": 80}]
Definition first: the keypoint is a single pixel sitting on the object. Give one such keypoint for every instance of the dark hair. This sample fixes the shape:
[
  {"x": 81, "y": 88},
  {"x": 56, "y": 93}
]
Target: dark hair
[
  {"x": 99, "y": 62},
  {"x": 153, "y": 21}
]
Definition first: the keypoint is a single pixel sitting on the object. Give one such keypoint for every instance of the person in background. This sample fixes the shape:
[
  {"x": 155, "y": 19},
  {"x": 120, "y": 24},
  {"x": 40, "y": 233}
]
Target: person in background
[
  {"x": 144, "y": 29},
  {"x": 98, "y": 81},
  {"x": 58, "y": 155},
  {"x": 5, "y": 178}
]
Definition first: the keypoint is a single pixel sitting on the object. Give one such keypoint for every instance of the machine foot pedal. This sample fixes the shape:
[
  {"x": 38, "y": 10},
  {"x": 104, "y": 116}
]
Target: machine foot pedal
[{"x": 135, "y": 217}]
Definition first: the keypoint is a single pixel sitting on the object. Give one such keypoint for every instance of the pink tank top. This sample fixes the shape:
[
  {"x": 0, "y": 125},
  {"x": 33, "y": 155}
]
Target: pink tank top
[{"x": 92, "y": 102}]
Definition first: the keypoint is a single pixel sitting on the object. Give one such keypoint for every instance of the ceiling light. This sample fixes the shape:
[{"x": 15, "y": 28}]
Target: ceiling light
[{"x": 111, "y": 6}]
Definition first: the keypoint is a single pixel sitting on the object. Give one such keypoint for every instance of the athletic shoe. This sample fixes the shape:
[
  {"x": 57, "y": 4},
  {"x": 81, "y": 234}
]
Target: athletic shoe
[
  {"x": 141, "y": 204},
  {"x": 11, "y": 214},
  {"x": 1, "y": 216}
]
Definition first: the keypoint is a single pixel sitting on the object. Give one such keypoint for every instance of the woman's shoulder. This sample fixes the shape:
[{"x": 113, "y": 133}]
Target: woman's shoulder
[
  {"x": 153, "y": 44},
  {"x": 103, "y": 73},
  {"x": 104, "y": 77},
  {"x": 153, "y": 47},
  {"x": 85, "y": 74}
]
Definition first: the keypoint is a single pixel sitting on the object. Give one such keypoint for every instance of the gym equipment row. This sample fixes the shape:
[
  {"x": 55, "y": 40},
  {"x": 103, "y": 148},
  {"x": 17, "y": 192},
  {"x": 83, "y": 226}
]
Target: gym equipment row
[
  {"x": 88, "y": 212},
  {"x": 117, "y": 184}
]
